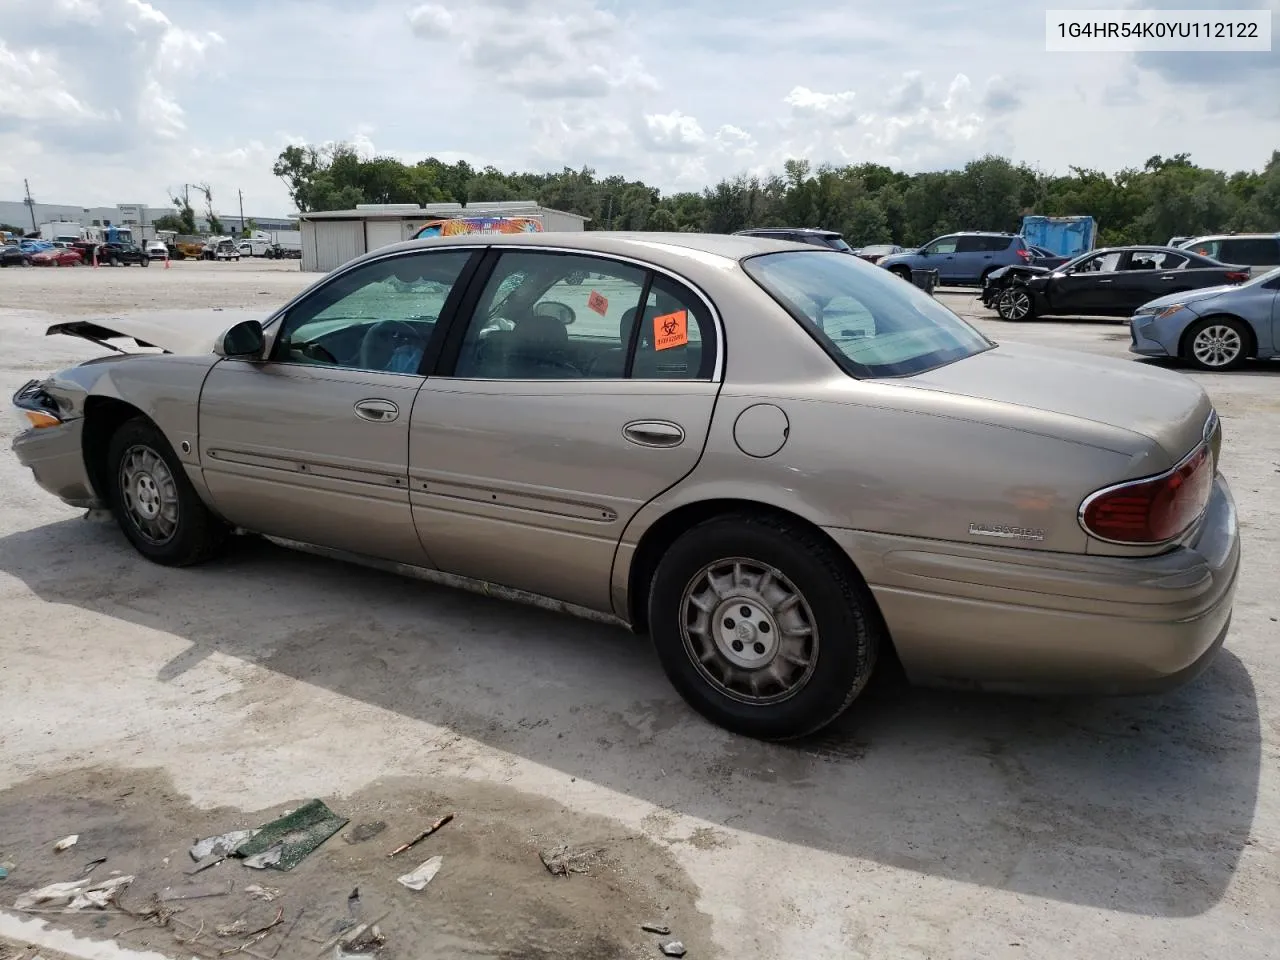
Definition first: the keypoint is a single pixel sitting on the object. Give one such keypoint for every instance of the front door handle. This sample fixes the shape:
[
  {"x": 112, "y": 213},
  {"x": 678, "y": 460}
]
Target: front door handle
[
  {"x": 1104, "y": 281},
  {"x": 654, "y": 433},
  {"x": 377, "y": 411},
  {"x": 1168, "y": 278}
]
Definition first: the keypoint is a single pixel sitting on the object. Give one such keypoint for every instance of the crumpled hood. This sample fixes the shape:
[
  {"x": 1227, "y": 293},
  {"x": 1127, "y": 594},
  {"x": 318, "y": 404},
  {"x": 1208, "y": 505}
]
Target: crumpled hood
[
  {"x": 182, "y": 332},
  {"x": 1162, "y": 405}
]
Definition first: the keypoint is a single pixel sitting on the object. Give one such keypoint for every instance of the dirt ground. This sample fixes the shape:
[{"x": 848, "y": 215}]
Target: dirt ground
[{"x": 142, "y": 707}]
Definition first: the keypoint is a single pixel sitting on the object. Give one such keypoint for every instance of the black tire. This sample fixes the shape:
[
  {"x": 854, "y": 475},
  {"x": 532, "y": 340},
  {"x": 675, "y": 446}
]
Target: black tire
[
  {"x": 145, "y": 261},
  {"x": 841, "y": 651},
  {"x": 115, "y": 261},
  {"x": 1016, "y": 304},
  {"x": 902, "y": 273},
  {"x": 197, "y": 534},
  {"x": 1227, "y": 333}
]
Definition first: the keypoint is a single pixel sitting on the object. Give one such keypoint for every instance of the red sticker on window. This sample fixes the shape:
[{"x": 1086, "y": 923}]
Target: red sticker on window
[
  {"x": 671, "y": 330},
  {"x": 598, "y": 302}
]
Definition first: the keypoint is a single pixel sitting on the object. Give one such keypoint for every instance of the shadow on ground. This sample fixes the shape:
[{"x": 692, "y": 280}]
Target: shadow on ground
[{"x": 1139, "y": 805}]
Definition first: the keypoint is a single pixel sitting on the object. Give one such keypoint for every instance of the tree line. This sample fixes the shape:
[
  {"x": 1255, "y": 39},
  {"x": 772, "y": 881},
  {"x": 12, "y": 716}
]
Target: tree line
[{"x": 868, "y": 203}]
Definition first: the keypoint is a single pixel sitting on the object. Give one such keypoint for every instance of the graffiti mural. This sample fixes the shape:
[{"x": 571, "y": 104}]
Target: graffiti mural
[{"x": 462, "y": 225}]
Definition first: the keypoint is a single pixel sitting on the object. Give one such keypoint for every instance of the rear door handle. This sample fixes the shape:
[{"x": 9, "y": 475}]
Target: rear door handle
[
  {"x": 1104, "y": 281},
  {"x": 654, "y": 433},
  {"x": 1168, "y": 278},
  {"x": 377, "y": 411}
]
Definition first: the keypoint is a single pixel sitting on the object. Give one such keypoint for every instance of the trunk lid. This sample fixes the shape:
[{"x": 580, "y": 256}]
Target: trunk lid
[
  {"x": 182, "y": 332},
  {"x": 1166, "y": 407}
]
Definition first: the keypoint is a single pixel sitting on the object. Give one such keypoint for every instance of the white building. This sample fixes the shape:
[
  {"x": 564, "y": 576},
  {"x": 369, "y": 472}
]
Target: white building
[
  {"x": 135, "y": 215},
  {"x": 332, "y": 237}
]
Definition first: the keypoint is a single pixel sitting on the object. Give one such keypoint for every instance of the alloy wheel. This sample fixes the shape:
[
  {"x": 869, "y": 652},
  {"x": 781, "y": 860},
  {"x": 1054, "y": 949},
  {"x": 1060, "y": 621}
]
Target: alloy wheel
[
  {"x": 749, "y": 631},
  {"x": 1217, "y": 345},
  {"x": 1014, "y": 304}
]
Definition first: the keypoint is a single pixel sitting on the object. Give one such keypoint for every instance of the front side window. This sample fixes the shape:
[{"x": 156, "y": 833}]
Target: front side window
[
  {"x": 942, "y": 245},
  {"x": 869, "y": 321},
  {"x": 1156, "y": 260},
  {"x": 1207, "y": 248},
  {"x": 379, "y": 316},
  {"x": 1102, "y": 263}
]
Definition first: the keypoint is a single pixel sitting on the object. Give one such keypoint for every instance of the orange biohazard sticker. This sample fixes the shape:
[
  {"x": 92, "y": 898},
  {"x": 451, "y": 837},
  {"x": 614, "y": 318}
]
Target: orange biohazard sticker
[
  {"x": 598, "y": 302},
  {"x": 671, "y": 330}
]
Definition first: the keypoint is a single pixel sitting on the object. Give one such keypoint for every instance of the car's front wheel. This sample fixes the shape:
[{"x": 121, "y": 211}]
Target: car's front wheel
[
  {"x": 762, "y": 626},
  {"x": 1015, "y": 304},
  {"x": 154, "y": 502},
  {"x": 1216, "y": 343}
]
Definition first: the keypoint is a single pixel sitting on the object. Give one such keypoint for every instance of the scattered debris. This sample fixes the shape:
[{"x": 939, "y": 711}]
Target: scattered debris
[
  {"x": 268, "y": 858},
  {"x": 93, "y": 865},
  {"x": 256, "y": 935},
  {"x": 203, "y": 865},
  {"x": 223, "y": 845},
  {"x": 350, "y": 936},
  {"x": 673, "y": 949},
  {"x": 66, "y": 843},
  {"x": 353, "y": 902},
  {"x": 286, "y": 842},
  {"x": 233, "y": 929},
  {"x": 422, "y": 836},
  {"x": 364, "y": 831},
  {"x": 196, "y": 891},
  {"x": 560, "y": 861},
  {"x": 259, "y": 892},
  {"x": 4, "y": 872},
  {"x": 661, "y": 929},
  {"x": 420, "y": 877},
  {"x": 77, "y": 894}
]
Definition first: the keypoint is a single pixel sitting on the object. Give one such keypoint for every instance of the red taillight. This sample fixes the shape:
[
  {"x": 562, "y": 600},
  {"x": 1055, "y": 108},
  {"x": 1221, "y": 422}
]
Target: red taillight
[
  {"x": 1237, "y": 276},
  {"x": 1025, "y": 255},
  {"x": 1154, "y": 510}
]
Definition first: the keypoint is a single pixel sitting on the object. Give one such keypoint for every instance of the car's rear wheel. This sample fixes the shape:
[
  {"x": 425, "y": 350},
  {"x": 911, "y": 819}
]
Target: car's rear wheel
[
  {"x": 145, "y": 261},
  {"x": 154, "y": 502},
  {"x": 1216, "y": 343},
  {"x": 1015, "y": 304},
  {"x": 762, "y": 626}
]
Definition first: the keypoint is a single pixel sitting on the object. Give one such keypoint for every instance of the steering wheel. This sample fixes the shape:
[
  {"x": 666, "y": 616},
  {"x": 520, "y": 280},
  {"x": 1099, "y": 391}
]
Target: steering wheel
[{"x": 381, "y": 340}]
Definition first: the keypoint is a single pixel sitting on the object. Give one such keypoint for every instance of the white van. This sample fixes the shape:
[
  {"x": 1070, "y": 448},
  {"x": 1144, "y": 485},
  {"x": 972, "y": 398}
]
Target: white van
[{"x": 1260, "y": 252}]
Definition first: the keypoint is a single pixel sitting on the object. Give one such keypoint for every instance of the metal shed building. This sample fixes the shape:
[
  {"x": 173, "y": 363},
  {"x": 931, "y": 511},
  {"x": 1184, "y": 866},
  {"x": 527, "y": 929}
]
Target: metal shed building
[{"x": 332, "y": 237}]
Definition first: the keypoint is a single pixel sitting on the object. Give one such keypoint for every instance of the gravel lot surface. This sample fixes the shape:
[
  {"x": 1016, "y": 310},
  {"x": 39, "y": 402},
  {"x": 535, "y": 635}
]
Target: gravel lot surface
[{"x": 142, "y": 707}]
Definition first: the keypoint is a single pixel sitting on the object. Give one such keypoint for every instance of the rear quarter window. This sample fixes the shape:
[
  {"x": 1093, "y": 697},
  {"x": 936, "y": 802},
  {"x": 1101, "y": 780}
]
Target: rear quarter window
[{"x": 1251, "y": 251}]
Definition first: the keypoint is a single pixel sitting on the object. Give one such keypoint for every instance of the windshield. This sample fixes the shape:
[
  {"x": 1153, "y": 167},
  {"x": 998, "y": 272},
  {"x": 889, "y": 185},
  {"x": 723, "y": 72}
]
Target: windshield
[
  {"x": 836, "y": 243},
  {"x": 871, "y": 322}
]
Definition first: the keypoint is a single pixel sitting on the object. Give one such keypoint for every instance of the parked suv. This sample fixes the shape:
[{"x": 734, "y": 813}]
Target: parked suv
[
  {"x": 810, "y": 235},
  {"x": 962, "y": 257},
  {"x": 1258, "y": 251}
]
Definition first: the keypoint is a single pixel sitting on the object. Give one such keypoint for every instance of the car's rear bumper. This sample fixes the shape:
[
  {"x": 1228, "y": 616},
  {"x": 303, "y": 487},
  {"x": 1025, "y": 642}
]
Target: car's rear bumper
[
  {"x": 1034, "y": 621},
  {"x": 56, "y": 460}
]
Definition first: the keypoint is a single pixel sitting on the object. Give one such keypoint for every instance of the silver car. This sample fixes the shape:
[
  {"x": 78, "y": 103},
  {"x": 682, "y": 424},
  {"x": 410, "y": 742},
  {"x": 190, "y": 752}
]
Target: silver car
[
  {"x": 1218, "y": 328},
  {"x": 780, "y": 462}
]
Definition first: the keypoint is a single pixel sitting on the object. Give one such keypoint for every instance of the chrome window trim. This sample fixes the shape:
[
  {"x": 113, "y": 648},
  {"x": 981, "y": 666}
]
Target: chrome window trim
[{"x": 717, "y": 372}]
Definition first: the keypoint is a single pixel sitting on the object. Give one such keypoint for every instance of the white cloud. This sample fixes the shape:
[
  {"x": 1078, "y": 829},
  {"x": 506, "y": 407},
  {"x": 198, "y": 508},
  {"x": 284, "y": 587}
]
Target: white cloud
[
  {"x": 834, "y": 108},
  {"x": 673, "y": 132},
  {"x": 148, "y": 96}
]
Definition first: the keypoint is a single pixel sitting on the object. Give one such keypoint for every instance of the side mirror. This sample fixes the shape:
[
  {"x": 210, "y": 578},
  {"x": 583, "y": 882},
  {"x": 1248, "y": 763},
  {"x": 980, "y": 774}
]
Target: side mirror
[
  {"x": 244, "y": 341},
  {"x": 923, "y": 252}
]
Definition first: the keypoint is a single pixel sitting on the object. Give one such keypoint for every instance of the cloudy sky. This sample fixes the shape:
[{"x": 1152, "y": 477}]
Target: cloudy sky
[{"x": 111, "y": 101}]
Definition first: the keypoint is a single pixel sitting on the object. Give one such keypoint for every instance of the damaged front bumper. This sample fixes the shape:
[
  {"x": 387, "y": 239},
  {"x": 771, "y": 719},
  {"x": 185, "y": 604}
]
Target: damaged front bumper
[{"x": 50, "y": 447}]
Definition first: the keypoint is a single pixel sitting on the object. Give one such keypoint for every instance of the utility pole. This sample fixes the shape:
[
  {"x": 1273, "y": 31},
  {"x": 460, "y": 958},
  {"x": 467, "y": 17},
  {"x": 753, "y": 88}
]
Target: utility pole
[
  {"x": 31, "y": 205},
  {"x": 241, "y": 193}
]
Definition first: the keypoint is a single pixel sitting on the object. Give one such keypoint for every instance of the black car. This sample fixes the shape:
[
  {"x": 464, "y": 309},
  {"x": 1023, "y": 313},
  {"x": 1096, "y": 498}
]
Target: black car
[
  {"x": 1040, "y": 257},
  {"x": 810, "y": 235},
  {"x": 11, "y": 255},
  {"x": 122, "y": 253},
  {"x": 1111, "y": 282}
]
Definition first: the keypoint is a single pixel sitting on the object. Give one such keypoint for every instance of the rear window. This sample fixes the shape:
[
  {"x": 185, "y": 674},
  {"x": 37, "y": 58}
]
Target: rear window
[
  {"x": 871, "y": 323},
  {"x": 1253, "y": 251}
]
